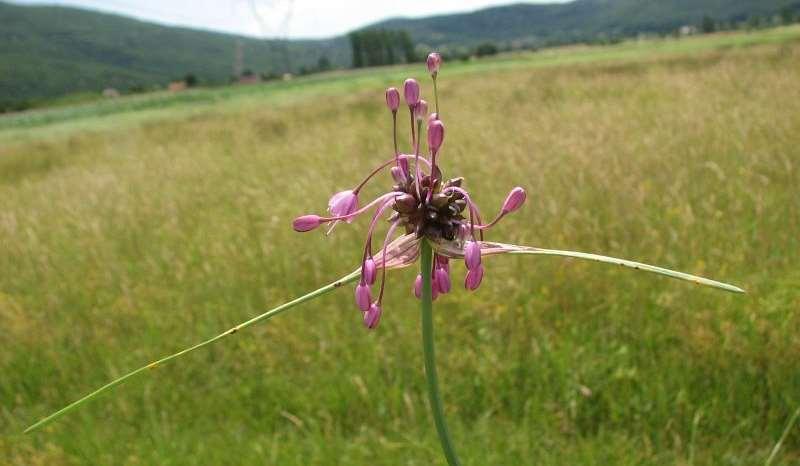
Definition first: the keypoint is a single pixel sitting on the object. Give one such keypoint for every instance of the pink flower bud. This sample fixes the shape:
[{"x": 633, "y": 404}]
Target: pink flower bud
[
  {"x": 393, "y": 98},
  {"x": 472, "y": 255},
  {"x": 373, "y": 316},
  {"x": 421, "y": 110},
  {"x": 418, "y": 286},
  {"x": 434, "y": 62},
  {"x": 398, "y": 175},
  {"x": 306, "y": 223},
  {"x": 411, "y": 92},
  {"x": 435, "y": 135},
  {"x": 433, "y": 116},
  {"x": 343, "y": 203},
  {"x": 363, "y": 296},
  {"x": 443, "y": 280},
  {"x": 434, "y": 289},
  {"x": 369, "y": 271},
  {"x": 474, "y": 277},
  {"x": 514, "y": 200}
]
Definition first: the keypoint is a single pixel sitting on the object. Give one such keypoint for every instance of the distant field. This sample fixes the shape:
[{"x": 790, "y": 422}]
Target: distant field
[{"x": 133, "y": 228}]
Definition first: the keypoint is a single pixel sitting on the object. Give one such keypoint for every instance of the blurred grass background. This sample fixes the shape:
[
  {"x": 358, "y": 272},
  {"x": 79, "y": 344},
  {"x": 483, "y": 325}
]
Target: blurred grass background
[{"x": 133, "y": 232}]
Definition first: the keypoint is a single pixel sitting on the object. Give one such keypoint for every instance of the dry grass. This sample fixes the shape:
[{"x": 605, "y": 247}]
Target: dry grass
[{"x": 121, "y": 245}]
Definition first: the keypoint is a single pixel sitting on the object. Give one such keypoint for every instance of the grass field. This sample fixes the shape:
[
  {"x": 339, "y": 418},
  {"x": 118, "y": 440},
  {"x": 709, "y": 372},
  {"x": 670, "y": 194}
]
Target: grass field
[{"x": 132, "y": 229}]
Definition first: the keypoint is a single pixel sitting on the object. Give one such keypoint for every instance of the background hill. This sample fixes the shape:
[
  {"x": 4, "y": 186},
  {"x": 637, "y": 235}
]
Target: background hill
[
  {"x": 48, "y": 51},
  {"x": 580, "y": 20}
]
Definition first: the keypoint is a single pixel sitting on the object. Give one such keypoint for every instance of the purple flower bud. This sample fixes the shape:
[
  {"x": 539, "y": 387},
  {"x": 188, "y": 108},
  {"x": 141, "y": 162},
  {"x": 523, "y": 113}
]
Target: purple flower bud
[
  {"x": 411, "y": 91},
  {"x": 421, "y": 110},
  {"x": 418, "y": 286},
  {"x": 472, "y": 255},
  {"x": 372, "y": 316},
  {"x": 393, "y": 98},
  {"x": 473, "y": 279},
  {"x": 443, "y": 280},
  {"x": 514, "y": 200},
  {"x": 363, "y": 296},
  {"x": 343, "y": 203},
  {"x": 434, "y": 289},
  {"x": 435, "y": 135},
  {"x": 369, "y": 271},
  {"x": 398, "y": 175},
  {"x": 306, "y": 223},
  {"x": 434, "y": 62}
]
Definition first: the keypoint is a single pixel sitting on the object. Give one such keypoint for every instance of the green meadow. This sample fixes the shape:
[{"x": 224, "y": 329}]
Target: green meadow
[{"x": 132, "y": 228}]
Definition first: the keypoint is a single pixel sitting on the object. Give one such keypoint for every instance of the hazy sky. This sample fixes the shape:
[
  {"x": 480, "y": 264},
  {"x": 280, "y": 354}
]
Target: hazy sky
[{"x": 297, "y": 18}]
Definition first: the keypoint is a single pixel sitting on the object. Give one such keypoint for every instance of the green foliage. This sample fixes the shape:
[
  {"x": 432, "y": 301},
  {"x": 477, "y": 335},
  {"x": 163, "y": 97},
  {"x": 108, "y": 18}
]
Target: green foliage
[
  {"x": 486, "y": 49},
  {"x": 377, "y": 47}
]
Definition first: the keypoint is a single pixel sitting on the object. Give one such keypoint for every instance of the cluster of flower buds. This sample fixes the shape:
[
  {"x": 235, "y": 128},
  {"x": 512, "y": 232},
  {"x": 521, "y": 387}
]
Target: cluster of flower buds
[{"x": 423, "y": 205}]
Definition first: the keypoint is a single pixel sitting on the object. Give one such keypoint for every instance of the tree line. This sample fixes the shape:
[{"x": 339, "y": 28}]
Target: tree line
[{"x": 376, "y": 47}]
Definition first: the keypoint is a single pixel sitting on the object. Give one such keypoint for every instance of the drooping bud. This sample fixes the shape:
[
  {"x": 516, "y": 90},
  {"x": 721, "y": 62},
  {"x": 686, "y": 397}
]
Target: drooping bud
[
  {"x": 434, "y": 61},
  {"x": 363, "y": 296},
  {"x": 472, "y": 255},
  {"x": 435, "y": 135},
  {"x": 411, "y": 92},
  {"x": 514, "y": 200},
  {"x": 306, "y": 223},
  {"x": 368, "y": 271},
  {"x": 343, "y": 203},
  {"x": 443, "y": 280},
  {"x": 474, "y": 277},
  {"x": 421, "y": 110},
  {"x": 393, "y": 98},
  {"x": 373, "y": 316},
  {"x": 418, "y": 286}
]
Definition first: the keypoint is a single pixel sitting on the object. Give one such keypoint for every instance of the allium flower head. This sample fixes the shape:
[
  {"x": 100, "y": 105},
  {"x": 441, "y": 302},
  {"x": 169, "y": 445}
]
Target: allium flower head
[{"x": 424, "y": 205}]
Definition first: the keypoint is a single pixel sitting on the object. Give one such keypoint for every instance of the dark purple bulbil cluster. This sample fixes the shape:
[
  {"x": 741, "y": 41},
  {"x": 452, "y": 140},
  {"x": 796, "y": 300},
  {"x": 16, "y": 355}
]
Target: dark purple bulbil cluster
[{"x": 425, "y": 205}]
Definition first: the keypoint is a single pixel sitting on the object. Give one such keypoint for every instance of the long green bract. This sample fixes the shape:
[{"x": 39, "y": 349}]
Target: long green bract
[
  {"x": 631, "y": 264},
  {"x": 266, "y": 315}
]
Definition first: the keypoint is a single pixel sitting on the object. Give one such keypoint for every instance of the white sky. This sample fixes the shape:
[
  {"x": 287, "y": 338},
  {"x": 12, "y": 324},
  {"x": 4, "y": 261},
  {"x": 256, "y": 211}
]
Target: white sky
[{"x": 295, "y": 18}]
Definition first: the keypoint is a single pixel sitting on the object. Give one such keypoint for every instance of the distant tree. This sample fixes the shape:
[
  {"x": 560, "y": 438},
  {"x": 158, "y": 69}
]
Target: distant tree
[
  {"x": 486, "y": 49},
  {"x": 708, "y": 25},
  {"x": 754, "y": 22},
  {"x": 356, "y": 44},
  {"x": 376, "y": 47},
  {"x": 323, "y": 64},
  {"x": 787, "y": 15},
  {"x": 190, "y": 80}
]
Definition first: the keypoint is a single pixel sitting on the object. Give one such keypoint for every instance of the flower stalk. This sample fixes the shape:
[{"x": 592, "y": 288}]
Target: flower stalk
[{"x": 428, "y": 348}]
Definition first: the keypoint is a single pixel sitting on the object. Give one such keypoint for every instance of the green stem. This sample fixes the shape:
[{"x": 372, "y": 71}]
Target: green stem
[
  {"x": 271, "y": 313},
  {"x": 430, "y": 356}
]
